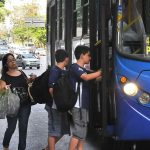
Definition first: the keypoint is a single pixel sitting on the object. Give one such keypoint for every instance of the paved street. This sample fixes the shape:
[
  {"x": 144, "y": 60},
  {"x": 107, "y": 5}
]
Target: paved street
[{"x": 37, "y": 129}]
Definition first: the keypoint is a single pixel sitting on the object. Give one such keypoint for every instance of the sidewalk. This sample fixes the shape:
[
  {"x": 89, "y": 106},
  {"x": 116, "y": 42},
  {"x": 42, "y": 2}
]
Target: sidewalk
[{"x": 37, "y": 132}]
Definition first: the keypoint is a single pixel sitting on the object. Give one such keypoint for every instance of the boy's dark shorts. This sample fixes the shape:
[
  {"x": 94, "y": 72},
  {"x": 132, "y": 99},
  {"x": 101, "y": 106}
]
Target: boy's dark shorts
[
  {"x": 58, "y": 123},
  {"x": 79, "y": 123}
]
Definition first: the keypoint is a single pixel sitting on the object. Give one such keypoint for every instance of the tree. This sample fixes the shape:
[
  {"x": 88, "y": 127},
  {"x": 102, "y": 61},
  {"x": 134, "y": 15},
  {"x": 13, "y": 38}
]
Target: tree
[
  {"x": 2, "y": 1},
  {"x": 24, "y": 32},
  {"x": 20, "y": 34},
  {"x": 2, "y": 11},
  {"x": 40, "y": 36}
]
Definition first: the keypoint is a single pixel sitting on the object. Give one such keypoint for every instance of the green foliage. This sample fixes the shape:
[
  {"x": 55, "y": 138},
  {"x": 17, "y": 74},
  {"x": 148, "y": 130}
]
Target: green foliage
[
  {"x": 40, "y": 36},
  {"x": 2, "y": 14},
  {"x": 2, "y": 1},
  {"x": 3, "y": 11},
  {"x": 1, "y": 4},
  {"x": 35, "y": 34},
  {"x": 24, "y": 33},
  {"x": 19, "y": 33}
]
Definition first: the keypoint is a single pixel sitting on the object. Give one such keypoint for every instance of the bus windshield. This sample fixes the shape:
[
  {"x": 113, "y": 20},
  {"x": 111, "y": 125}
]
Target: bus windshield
[{"x": 133, "y": 28}]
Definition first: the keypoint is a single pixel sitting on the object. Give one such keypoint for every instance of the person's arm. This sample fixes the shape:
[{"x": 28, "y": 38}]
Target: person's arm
[
  {"x": 91, "y": 76},
  {"x": 51, "y": 91},
  {"x": 84, "y": 74},
  {"x": 54, "y": 74}
]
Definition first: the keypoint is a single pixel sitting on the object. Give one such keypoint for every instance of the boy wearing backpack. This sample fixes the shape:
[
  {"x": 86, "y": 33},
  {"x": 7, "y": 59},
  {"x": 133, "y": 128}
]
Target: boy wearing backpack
[
  {"x": 79, "y": 75},
  {"x": 58, "y": 123}
]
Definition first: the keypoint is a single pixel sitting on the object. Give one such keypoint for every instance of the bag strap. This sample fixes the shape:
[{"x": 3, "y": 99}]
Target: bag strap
[
  {"x": 29, "y": 85},
  {"x": 24, "y": 75}
]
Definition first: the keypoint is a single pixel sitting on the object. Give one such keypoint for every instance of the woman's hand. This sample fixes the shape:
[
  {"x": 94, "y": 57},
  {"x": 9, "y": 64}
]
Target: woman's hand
[
  {"x": 32, "y": 77},
  {"x": 3, "y": 85}
]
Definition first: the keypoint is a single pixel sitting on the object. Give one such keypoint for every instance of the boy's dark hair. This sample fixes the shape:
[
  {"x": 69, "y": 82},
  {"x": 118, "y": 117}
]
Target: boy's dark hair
[
  {"x": 60, "y": 55},
  {"x": 81, "y": 49}
]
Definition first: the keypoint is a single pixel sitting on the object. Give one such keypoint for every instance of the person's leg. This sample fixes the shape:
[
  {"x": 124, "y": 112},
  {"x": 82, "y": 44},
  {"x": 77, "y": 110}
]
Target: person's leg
[
  {"x": 51, "y": 142},
  {"x": 73, "y": 143},
  {"x": 79, "y": 129},
  {"x": 80, "y": 145},
  {"x": 24, "y": 114},
  {"x": 56, "y": 140},
  {"x": 12, "y": 121},
  {"x": 54, "y": 127}
]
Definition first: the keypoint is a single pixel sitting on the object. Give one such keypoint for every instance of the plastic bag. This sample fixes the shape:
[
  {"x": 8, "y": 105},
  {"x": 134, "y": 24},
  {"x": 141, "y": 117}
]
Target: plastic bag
[
  {"x": 3, "y": 104},
  {"x": 13, "y": 104}
]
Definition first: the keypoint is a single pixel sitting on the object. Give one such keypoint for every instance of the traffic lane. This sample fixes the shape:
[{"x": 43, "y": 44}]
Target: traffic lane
[{"x": 34, "y": 70}]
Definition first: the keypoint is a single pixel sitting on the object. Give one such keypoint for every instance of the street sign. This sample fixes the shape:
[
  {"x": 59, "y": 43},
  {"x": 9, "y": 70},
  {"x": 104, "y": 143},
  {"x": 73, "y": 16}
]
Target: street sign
[{"x": 35, "y": 22}]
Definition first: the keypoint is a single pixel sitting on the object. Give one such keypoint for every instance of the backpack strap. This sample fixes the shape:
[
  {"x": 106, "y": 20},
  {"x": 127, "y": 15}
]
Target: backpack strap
[{"x": 78, "y": 92}]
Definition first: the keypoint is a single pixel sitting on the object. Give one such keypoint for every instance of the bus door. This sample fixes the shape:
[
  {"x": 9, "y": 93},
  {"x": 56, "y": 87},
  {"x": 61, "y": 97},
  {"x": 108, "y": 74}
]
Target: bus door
[{"x": 102, "y": 106}]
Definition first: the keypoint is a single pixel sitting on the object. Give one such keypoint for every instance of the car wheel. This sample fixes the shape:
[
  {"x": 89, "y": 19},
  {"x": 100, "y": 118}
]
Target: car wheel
[
  {"x": 38, "y": 67},
  {"x": 23, "y": 66}
]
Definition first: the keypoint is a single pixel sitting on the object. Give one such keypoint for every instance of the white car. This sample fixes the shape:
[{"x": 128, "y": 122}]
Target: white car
[{"x": 27, "y": 60}]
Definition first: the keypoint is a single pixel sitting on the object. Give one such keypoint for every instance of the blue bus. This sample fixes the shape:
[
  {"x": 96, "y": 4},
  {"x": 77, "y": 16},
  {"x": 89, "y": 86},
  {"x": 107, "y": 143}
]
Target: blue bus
[{"x": 118, "y": 34}]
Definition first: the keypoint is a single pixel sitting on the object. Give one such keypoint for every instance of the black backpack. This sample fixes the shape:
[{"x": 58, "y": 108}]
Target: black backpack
[
  {"x": 64, "y": 96},
  {"x": 38, "y": 91}
]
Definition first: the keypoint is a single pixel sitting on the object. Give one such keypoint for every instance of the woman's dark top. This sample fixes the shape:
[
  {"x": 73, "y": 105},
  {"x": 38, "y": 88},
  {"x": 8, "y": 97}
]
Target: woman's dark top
[{"x": 18, "y": 84}]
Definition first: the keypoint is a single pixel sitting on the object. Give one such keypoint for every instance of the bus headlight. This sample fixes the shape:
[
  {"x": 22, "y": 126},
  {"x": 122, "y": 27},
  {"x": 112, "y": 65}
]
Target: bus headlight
[
  {"x": 130, "y": 89},
  {"x": 144, "y": 98}
]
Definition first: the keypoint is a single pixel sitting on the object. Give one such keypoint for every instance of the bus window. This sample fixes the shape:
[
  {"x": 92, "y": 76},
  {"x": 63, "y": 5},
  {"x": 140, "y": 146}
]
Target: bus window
[
  {"x": 80, "y": 17},
  {"x": 59, "y": 43},
  {"x": 133, "y": 29}
]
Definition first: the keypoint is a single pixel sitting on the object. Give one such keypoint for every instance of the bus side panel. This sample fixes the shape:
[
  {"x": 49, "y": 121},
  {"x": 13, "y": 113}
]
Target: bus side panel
[{"x": 132, "y": 123}]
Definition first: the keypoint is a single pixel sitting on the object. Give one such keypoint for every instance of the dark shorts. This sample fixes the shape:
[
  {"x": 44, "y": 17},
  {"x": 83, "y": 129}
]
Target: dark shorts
[
  {"x": 58, "y": 123},
  {"x": 79, "y": 123}
]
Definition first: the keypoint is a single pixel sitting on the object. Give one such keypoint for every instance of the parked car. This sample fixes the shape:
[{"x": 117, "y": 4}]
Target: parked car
[
  {"x": 3, "y": 50},
  {"x": 27, "y": 60}
]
